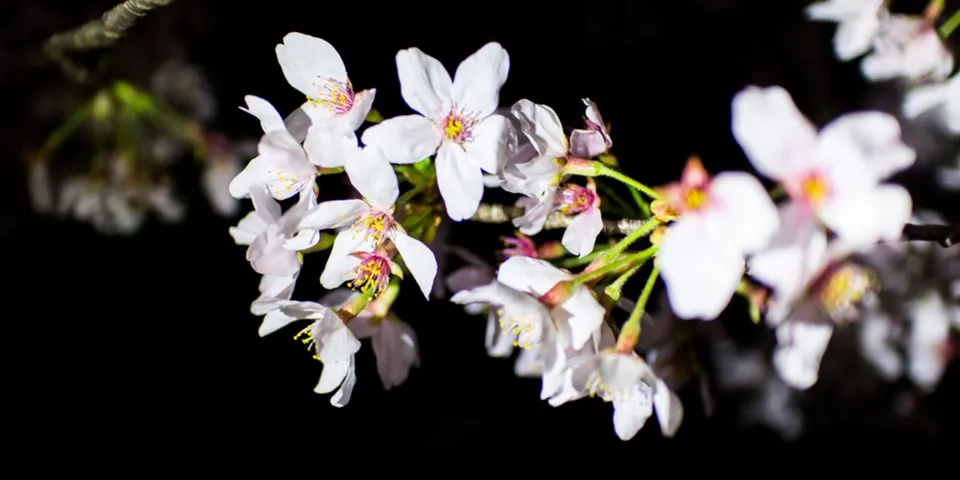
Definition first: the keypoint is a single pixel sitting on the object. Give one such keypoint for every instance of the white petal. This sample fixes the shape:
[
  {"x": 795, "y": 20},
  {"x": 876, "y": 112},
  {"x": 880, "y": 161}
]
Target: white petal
[
  {"x": 460, "y": 181},
  {"x": 329, "y": 148},
  {"x": 743, "y": 215},
  {"x": 266, "y": 207},
  {"x": 701, "y": 276},
  {"x": 334, "y": 214},
  {"x": 581, "y": 235},
  {"x": 372, "y": 176},
  {"x": 856, "y": 36},
  {"x": 877, "y": 137},
  {"x": 769, "y": 129},
  {"x": 477, "y": 81},
  {"x": 493, "y": 139},
  {"x": 404, "y": 139},
  {"x": 876, "y": 332},
  {"x": 269, "y": 117},
  {"x": 923, "y": 98},
  {"x": 254, "y": 172},
  {"x": 583, "y": 314},
  {"x": 864, "y": 218},
  {"x": 527, "y": 364},
  {"x": 288, "y": 169},
  {"x": 248, "y": 229},
  {"x": 630, "y": 413},
  {"x": 332, "y": 375},
  {"x": 308, "y": 61},
  {"x": 800, "y": 348},
  {"x": 274, "y": 320},
  {"x": 668, "y": 407},
  {"x": 395, "y": 346},
  {"x": 340, "y": 263},
  {"x": 342, "y": 397},
  {"x": 424, "y": 83},
  {"x": 362, "y": 104},
  {"x": 542, "y": 127},
  {"x": 530, "y": 275},
  {"x": 419, "y": 260},
  {"x": 587, "y": 143},
  {"x": 796, "y": 253}
]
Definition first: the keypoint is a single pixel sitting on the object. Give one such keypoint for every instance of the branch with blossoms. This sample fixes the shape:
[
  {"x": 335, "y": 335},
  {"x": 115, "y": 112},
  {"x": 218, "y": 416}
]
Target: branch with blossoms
[{"x": 706, "y": 237}]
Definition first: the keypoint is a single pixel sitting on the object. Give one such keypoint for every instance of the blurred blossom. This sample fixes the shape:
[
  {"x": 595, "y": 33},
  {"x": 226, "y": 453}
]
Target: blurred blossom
[
  {"x": 769, "y": 401},
  {"x": 908, "y": 331}
]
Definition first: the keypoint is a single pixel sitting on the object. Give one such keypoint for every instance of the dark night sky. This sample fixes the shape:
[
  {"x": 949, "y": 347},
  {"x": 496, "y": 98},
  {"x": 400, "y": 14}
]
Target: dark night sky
[{"x": 133, "y": 356}]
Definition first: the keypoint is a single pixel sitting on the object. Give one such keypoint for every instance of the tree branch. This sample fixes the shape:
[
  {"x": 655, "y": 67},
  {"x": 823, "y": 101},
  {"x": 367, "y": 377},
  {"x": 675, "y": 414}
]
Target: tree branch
[
  {"x": 102, "y": 32},
  {"x": 492, "y": 213},
  {"x": 945, "y": 235}
]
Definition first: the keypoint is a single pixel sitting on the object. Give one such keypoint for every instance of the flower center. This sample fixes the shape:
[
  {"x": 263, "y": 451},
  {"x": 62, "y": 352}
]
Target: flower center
[
  {"x": 457, "y": 126},
  {"x": 843, "y": 291},
  {"x": 336, "y": 97},
  {"x": 815, "y": 188},
  {"x": 694, "y": 199},
  {"x": 283, "y": 183},
  {"x": 372, "y": 275},
  {"x": 306, "y": 337},
  {"x": 374, "y": 226},
  {"x": 574, "y": 199},
  {"x": 526, "y": 326}
]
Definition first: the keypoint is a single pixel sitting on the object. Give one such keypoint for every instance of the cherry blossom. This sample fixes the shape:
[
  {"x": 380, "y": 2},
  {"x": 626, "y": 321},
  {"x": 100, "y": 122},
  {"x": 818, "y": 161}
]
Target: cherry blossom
[
  {"x": 282, "y": 165},
  {"x": 336, "y": 111},
  {"x": 718, "y": 223},
  {"x": 456, "y": 122}
]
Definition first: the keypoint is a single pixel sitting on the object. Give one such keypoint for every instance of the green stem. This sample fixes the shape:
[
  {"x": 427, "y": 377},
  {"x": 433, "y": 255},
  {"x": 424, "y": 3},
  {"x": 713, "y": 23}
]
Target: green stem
[
  {"x": 644, "y": 230},
  {"x": 950, "y": 25},
  {"x": 613, "y": 266},
  {"x": 778, "y": 192},
  {"x": 630, "y": 332},
  {"x": 576, "y": 262},
  {"x": 620, "y": 177},
  {"x": 644, "y": 206},
  {"x": 614, "y": 290},
  {"x": 57, "y": 138}
]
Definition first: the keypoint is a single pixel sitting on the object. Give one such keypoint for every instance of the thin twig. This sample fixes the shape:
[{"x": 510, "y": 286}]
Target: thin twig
[
  {"x": 945, "y": 235},
  {"x": 492, "y": 213},
  {"x": 102, "y": 32}
]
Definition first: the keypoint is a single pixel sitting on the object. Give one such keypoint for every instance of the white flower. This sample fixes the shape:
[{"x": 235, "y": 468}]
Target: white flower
[
  {"x": 369, "y": 224},
  {"x": 523, "y": 322},
  {"x": 275, "y": 290},
  {"x": 858, "y": 24},
  {"x": 929, "y": 340},
  {"x": 702, "y": 254},
  {"x": 273, "y": 236},
  {"x": 907, "y": 47},
  {"x": 800, "y": 348},
  {"x": 394, "y": 342},
  {"x": 282, "y": 165},
  {"x": 898, "y": 45},
  {"x": 313, "y": 66},
  {"x": 458, "y": 123},
  {"x": 833, "y": 175},
  {"x": 628, "y": 382},
  {"x": 332, "y": 341},
  {"x": 580, "y": 310},
  {"x": 942, "y": 97},
  {"x": 876, "y": 334}
]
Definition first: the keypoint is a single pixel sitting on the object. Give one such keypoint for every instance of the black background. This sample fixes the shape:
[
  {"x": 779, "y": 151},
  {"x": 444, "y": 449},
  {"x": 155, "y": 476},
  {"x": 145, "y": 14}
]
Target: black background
[{"x": 138, "y": 356}]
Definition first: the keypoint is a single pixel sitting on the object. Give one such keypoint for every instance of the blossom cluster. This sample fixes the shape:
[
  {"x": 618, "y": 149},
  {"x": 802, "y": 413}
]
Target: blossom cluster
[{"x": 708, "y": 237}]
